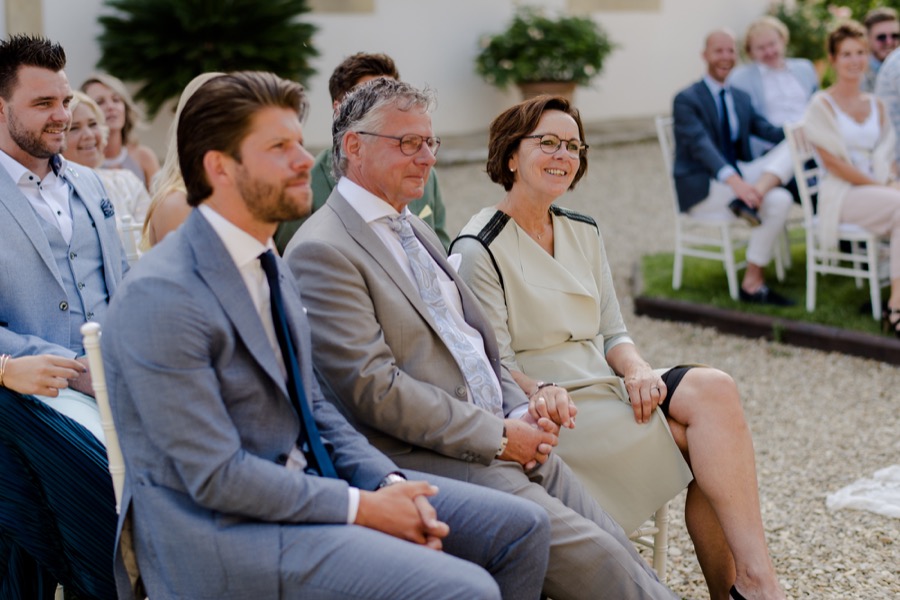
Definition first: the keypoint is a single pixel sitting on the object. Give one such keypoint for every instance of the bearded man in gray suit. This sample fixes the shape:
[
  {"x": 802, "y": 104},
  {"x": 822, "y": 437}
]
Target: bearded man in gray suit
[
  {"x": 60, "y": 262},
  {"x": 404, "y": 348},
  {"x": 242, "y": 481}
]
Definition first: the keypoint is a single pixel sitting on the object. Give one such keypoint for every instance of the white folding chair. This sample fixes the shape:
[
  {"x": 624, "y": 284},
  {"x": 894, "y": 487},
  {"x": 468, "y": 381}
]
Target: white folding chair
[
  {"x": 90, "y": 333},
  {"x": 864, "y": 263},
  {"x": 654, "y": 534},
  {"x": 131, "y": 231},
  {"x": 705, "y": 236}
]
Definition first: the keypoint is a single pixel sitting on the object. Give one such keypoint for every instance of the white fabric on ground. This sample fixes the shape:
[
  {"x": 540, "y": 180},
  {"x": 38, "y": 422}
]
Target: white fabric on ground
[{"x": 880, "y": 494}]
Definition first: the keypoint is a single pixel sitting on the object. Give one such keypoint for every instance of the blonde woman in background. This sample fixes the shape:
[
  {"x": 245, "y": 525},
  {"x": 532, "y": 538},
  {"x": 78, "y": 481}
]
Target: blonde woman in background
[
  {"x": 123, "y": 150},
  {"x": 779, "y": 87},
  {"x": 168, "y": 206},
  {"x": 85, "y": 143}
]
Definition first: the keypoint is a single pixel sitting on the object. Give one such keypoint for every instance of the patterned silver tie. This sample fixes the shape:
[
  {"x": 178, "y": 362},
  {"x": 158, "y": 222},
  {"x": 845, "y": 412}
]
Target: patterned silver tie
[{"x": 480, "y": 378}]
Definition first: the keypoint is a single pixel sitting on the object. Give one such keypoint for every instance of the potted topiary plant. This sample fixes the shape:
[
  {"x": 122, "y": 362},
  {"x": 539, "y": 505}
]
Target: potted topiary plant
[{"x": 544, "y": 54}]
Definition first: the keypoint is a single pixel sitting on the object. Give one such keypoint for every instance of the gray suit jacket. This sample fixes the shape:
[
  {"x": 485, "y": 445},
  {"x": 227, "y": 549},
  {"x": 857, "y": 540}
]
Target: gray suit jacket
[
  {"x": 698, "y": 157},
  {"x": 32, "y": 317},
  {"x": 377, "y": 350},
  {"x": 748, "y": 78},
  {"x": 204, "y": 419}
]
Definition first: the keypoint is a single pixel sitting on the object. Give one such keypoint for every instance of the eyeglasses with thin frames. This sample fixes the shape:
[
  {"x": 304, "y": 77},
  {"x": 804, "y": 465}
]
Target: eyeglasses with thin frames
[
  {"x": 550, "y": 143},
  {"x": 410, "y": 143},
  {"x": 883, "y": 37}
]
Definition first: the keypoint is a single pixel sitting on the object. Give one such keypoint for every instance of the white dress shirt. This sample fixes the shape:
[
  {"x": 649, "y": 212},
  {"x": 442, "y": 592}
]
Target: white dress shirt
[
  {"x": 375, "y": 212},
  {"x": 48, "y": 196},
  {"x": 784, "y": 95},
  {"x": 244, "y": 250}
]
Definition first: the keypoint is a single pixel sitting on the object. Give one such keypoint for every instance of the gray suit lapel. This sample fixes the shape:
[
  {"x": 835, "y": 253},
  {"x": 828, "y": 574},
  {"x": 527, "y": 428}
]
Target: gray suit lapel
[
  {"x": 218, "y": 271},
  {"x": 24, "y": 214},
  {"x": 88, "y": 196},
  {"x": 373, "y": 246}
]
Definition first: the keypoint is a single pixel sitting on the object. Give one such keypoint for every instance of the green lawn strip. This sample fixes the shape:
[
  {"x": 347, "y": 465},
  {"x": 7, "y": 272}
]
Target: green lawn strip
[{"x": 839, "y": 302}]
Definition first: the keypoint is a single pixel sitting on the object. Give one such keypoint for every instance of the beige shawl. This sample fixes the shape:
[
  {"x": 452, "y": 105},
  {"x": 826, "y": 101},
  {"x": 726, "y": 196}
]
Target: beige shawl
[{"x": 821, "y": 129}]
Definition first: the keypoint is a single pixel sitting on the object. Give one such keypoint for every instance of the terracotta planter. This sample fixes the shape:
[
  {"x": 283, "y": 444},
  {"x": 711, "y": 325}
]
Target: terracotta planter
[{"x": 554, "y": 88}]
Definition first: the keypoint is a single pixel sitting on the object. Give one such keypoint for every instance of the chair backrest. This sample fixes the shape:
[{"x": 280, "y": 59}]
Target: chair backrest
[
  {"x": 807, "y": 172},
  {"x": 90, "y": 333},
  {"x": 666, "y": 136},
  {"x": 130, "y": 231}
]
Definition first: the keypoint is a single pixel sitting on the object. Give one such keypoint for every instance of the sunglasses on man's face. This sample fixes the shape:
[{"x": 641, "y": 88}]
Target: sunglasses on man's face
[{"x": 883, "y": 37}]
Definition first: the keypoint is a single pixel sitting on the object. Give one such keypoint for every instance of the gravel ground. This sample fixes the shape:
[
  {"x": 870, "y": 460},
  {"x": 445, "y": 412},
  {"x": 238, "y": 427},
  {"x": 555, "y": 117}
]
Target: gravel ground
[{"x": 819, "y": 420}]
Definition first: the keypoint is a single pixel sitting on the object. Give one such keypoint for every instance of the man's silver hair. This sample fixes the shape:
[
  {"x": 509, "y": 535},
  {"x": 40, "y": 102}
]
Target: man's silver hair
[{"x": 363, "y": 109}]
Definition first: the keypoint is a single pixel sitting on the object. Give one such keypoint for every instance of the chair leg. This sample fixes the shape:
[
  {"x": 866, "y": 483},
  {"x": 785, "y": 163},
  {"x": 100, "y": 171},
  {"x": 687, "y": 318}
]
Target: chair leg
[
  {"x": 874, "y": 283},
  {"x": 661, "y": 541},
  {"x": 730, "y": 265},
  {"x": 678, "y": 267},
  {"x": 810, "y": 281}
]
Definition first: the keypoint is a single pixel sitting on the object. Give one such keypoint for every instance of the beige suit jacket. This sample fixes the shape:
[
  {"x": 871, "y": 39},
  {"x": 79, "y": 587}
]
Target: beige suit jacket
[{"x": 377, "y": 351}]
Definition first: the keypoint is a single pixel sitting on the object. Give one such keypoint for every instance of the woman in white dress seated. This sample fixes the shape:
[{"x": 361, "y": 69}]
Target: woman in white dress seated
[
  {"x": 85, "y": 143},
  {"x": 854, "y": 139},
  {"x": 542, "y": 274}
]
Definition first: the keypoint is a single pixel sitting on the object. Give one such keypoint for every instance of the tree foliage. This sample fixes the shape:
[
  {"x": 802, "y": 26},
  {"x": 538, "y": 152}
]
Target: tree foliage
[{"x": 163, "y": 44}]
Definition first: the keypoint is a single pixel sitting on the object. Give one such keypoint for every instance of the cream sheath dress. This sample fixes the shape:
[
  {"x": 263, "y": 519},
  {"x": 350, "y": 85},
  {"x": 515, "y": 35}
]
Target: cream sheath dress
[{"x": 555, "y": 318}]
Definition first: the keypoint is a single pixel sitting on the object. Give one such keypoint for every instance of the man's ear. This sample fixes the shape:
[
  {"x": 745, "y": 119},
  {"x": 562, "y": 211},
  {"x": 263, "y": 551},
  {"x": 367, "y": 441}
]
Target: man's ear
[
  {"x": 352, "y": 144},
  {"x": 217, "y": 166}
]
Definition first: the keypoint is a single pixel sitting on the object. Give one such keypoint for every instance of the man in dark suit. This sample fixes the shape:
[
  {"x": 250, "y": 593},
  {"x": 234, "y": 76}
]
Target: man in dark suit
[
  {"x": 714, "y": 169},
  {"x": 241, "y": 480}
]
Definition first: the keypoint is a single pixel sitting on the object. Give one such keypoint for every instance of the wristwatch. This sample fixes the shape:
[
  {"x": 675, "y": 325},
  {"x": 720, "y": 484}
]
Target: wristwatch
[
  {"x": 503, "y": 441},
  {"x": 391, "y": 479}
]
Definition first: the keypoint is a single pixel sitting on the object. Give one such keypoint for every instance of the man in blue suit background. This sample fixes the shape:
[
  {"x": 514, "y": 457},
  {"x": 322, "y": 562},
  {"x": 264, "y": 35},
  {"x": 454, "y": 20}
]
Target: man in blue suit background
[
  {"x": 236, "y": 486},
  {"x": 714, "y": 169}
]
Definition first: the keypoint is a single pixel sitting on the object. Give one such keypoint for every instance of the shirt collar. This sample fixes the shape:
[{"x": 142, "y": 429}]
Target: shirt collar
[
  {"x": 242, "y": 247},
  {"x": 17, "y": 171},
  {"x": 369, "y": 206},
  {"x": 714, "y": 86}
]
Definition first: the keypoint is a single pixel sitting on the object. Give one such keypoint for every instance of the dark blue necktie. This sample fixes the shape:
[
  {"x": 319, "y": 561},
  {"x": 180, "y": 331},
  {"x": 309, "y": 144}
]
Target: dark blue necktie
[
  {"x": 727, "y": 143},
  {"x": 310, "y": 442}
]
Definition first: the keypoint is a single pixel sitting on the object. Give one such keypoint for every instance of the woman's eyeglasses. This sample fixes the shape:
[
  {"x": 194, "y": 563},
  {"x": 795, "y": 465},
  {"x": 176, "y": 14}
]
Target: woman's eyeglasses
[{"x": 550, "y": 143}]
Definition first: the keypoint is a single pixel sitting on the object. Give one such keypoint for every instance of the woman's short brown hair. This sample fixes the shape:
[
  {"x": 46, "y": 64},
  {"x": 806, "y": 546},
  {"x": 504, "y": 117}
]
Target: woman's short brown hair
[
  {"x": 848, "y": 30},
  {"x": 508, "y": 129}
]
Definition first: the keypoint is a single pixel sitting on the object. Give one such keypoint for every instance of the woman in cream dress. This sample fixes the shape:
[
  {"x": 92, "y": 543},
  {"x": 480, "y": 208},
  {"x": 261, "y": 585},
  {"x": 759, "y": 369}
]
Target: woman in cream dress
[
  {"x": 542, "y": 275},
  {"x": 854, "y": 139}
]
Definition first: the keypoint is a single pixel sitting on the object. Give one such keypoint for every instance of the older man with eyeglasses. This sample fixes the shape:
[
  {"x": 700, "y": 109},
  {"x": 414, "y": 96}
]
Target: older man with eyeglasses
[
  {"x": 403, "y": 346},
  {"x": 883, "y": 30}
]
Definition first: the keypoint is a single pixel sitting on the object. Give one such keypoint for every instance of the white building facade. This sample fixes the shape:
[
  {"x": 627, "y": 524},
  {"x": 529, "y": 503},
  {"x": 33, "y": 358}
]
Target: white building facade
[{"x": 434, "y": 43}]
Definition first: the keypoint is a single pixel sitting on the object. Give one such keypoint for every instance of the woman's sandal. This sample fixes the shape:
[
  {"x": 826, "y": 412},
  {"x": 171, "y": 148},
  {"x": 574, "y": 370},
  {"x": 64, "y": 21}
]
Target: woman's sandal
[
  {"x": 889, "y": 324},
  {"x": 736, "y": 595}
]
